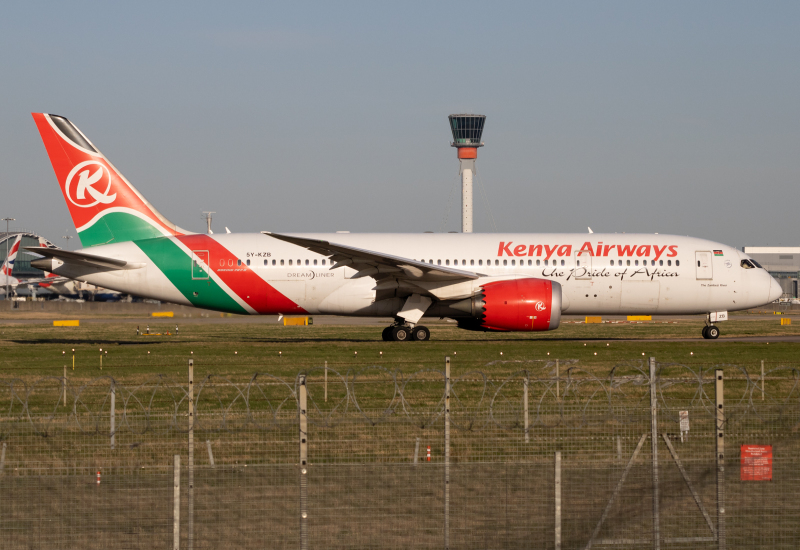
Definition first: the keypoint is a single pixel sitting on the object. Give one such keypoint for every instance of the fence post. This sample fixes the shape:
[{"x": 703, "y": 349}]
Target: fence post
[
  {"x": 176, "y": 502},
  {"x": 190, "y": 525},
  {"x": 3, "y": 458},
  {"x": 762, "y": 380},
  {"x": 112, "y": 419},
  {"x": 210, "y": 454},
  {"x": 720, "y": 439},
  {"x": 558, "y": 383},
  {"x": 619, "y": 449},
  {"x": 416, "y": 452},
  {"x": 654, "y": 450},
  {"x": 558, "y": 500},
  {"x": 303, "y": 420},
  {"x": 446, "y": 453},
  {"x": 326, "y": 381},
  {"x": 64, "y": 385},
  {"x": 525, "y": 407}
]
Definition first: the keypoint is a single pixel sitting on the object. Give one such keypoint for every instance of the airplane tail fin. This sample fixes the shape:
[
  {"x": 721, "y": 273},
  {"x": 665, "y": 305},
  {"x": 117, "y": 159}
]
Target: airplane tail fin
[
  {"x": 104, "y": 206},
  {"x": 8, "y": 264}
]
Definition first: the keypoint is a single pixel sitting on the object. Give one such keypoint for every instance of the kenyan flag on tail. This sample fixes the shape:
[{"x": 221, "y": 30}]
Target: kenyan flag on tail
[{"x": 104, "y": 206}]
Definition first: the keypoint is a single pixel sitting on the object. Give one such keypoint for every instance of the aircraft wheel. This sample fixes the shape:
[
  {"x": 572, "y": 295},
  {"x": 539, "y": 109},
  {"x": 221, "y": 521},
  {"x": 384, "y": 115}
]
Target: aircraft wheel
[
  {"x": 387, "y": 334},
  {"x": 401, "y": 334},
  {"x": 421, "y": 334},
  {"x": 705, "y": 332},
  {"x": 712, "y": 332}
]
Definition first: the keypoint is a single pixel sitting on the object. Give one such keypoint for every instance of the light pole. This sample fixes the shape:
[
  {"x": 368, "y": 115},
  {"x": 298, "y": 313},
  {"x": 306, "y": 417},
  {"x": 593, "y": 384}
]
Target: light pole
[
  {"x": 67, "y": 237},
  {"x": 8, "y": 277}
]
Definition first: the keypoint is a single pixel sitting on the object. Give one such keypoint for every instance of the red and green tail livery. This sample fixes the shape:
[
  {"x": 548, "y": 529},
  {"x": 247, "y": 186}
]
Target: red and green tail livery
[{"x": 105, "y": 207}]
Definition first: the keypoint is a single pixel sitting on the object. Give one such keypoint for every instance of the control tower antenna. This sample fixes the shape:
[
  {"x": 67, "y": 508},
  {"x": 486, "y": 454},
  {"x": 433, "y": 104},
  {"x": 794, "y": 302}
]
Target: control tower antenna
[
  {"x": 207, "y": 216},
  {"x": 467, "y": 131}
]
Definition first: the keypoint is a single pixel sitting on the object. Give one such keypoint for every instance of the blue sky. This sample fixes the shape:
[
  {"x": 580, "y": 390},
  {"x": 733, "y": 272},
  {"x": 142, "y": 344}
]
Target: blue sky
[{"x": 623, "y": 116}]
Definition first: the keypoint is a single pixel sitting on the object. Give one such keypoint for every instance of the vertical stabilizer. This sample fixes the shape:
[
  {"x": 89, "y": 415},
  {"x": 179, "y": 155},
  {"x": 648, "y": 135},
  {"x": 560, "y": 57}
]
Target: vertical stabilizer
[{"x": 104, "y": 206}]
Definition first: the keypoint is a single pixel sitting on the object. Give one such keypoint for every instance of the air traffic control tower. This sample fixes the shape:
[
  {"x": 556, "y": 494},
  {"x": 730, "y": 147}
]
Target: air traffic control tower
[{"x": 467, "y": 131}]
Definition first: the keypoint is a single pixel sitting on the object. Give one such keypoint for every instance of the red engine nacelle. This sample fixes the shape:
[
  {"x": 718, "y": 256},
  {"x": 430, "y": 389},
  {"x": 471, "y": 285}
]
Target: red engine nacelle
[{"x": 514, "y": 305}]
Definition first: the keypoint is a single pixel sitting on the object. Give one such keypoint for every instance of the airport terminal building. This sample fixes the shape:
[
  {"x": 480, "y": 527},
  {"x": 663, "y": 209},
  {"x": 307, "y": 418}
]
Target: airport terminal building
[{"x": 782, "y": 262}]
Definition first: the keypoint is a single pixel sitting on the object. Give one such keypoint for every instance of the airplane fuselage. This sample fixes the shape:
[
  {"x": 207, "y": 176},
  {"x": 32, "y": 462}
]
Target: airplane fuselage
[{"x": 599, "y": 273}]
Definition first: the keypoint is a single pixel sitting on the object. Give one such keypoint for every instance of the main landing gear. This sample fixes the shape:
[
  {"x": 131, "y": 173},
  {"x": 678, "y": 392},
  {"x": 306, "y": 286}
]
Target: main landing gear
[
  {"x": 710, "y": 332},
  {"x": 404, "y": 333}
]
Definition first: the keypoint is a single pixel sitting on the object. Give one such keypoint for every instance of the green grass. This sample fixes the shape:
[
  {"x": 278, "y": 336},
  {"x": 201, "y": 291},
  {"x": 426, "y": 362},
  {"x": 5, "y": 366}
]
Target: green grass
[{"x": 238, "y": 348}]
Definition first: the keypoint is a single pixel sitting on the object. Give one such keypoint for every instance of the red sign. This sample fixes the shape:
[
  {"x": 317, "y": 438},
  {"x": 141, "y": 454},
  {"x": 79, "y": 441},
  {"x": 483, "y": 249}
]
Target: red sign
[{"x": 756, "y": 463}]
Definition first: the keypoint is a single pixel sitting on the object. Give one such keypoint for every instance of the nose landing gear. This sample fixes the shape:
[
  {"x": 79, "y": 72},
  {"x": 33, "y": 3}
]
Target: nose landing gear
[{"x": 711, "y": 332}]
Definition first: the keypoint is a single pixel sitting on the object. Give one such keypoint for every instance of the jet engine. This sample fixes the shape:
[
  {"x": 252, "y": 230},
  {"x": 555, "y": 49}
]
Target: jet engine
[{"x": 513, "y": 305}]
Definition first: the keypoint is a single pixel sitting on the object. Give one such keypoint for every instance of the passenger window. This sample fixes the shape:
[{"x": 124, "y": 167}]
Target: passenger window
[
  {"x": 530, "y": 263},
  {"x": 439, "y": 262},
  {"x": 497, "y": 262},
  {"x": 298, "y": 262},
  {"x": 323, "y": 262},
  {"x": 480, "y": 262},
  {"x": 513, "y": 262},
  {"x": 281, "y": 262},
  {"x": 290, "y": 262},
  {"x": 315, "y": 262},
  {"x": 612, "y": 262},
  {"x": 562, "y": 262},
  {"x": 669, "y": 262},
  {"x": 660, "y": 262},
  {"x": 306, "y": 262},
  {"x": 619, "y": 263},
  {"x": 266, "y": 262},
  {"x": 248, "y": 262},
  {"x": 652, "y": 262},
  {"x": 447, "y": 262},
  {"x": 677, "y": 262},
  {"x": 472, "y": 262},
  {"x": 238, "y": 262},
  {"x": 628, "y": 262},
  {"x": 636, "y": 262},
  {"x": 537, "y": 262},
  {"x": 273, "y": 262}
]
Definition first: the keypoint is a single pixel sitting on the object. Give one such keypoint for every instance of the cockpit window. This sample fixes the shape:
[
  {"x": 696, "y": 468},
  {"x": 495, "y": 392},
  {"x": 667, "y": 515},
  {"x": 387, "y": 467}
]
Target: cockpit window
[
  {"x": 755, "y": 263},
  {"x": 747, "y": 264}
]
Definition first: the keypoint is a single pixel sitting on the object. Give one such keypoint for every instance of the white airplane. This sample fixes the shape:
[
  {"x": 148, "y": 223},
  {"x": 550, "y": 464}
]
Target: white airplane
[
  {"x": 8, "y": 267},
  {"x": 489, "y": 282}
]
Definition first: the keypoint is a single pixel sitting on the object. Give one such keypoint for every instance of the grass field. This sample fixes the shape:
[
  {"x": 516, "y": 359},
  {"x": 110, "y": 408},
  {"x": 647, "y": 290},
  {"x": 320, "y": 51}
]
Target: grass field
[
  {"x": 240, "y": 348},
  {"x": 364, "y": 492}
]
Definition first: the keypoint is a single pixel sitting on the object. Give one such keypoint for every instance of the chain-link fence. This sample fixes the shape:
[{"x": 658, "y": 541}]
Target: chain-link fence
[{"x": 641, "y": 455}]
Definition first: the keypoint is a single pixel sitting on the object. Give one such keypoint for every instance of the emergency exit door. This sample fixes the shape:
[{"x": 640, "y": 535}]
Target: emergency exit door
[
  {"x": 200, "y": 263},
  {"x": 703, "y": 264}
]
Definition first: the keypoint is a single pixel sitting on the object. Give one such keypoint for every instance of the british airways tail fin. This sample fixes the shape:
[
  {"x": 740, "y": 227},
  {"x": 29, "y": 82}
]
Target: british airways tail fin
[
  {"x": 104, "y": 206},
  {"x": 8, "y": 264}
]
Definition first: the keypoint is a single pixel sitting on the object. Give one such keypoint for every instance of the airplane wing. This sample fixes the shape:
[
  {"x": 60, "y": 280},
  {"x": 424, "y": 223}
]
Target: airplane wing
[
  {"x": 76, "y": 258},
  {"x": 377, "y": 265}
]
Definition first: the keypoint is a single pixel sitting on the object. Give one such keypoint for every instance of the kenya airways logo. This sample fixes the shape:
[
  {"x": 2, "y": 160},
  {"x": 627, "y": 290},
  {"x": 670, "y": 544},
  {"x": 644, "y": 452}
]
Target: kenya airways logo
[{"x": 92, "y": 186}]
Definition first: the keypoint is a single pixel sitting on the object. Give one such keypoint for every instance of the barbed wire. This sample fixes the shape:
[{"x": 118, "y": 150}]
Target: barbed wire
[{"x": 570, "y": 398}]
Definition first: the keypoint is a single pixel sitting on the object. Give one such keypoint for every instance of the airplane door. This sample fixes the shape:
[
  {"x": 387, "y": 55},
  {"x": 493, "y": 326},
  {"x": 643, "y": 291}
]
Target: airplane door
[
  {"x": 200, "y": 263},
  {"x": 583, "y": 265},
  {"x": 703, "y": 264}
]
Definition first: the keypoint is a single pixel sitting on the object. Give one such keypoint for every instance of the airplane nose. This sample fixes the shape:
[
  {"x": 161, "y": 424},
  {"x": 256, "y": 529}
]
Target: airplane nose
[{"x": 775, "y": 290}]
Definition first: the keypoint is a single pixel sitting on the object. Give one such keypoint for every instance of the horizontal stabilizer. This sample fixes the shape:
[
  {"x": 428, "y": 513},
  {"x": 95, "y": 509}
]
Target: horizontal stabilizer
[{"x": 53, "y": 258}]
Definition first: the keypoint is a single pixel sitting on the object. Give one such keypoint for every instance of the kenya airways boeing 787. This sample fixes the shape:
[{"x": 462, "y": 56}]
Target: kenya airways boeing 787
[{"x": 494, "y": 282}]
